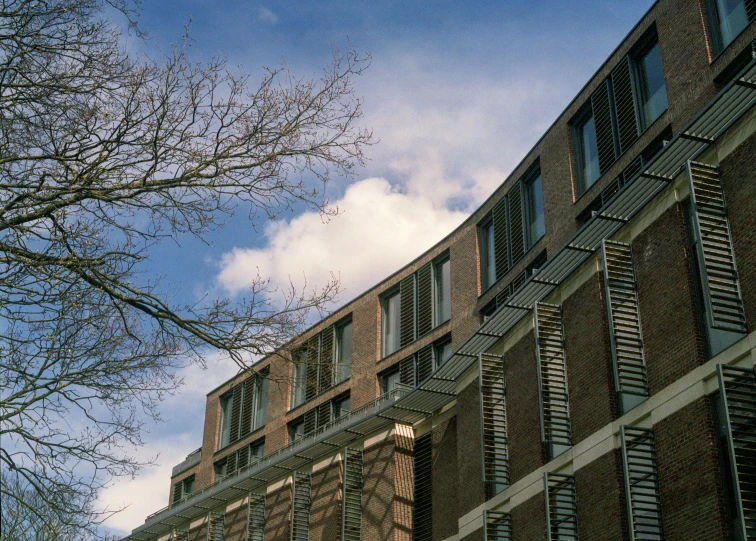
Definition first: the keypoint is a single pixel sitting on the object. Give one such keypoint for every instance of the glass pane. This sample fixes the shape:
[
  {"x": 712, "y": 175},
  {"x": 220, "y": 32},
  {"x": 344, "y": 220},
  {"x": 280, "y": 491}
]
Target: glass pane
[
  {"x": 225, "y": 428},
  {"x": 257, "y": 450},
  {"x": 487, "y": 256},
  {"x": 390, "y": 382},
  {"x": 189, "y": 485},
  {"x": 653, "y": 88},
  {"x": 733, "y": 19},
  {"x": 262, "y": 404},
  {"x": 296, "y": 431},
  {"x": 443, "y": 292},
  {"x": 391, "y": 324},
  {"x": 299, "y": 379},
  {"x": 344, "y": 352},
  {"x": 536, "y": 222},
  {"x": 589, "y": 149},
  {"x": 443, "y": 352},
  {"x": 341, "y": 407}
]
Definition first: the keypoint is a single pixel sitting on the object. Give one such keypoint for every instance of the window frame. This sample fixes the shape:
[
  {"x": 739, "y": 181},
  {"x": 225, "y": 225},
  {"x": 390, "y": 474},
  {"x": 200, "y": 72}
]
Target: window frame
[
  {"x": 298, "y": 372},
  {"x": 338, "y": 402},
  {"x": 261, "y": 392},
  {"x": 487, "y": 248},
  {"x": 224, "y": 426},
  {"x": 384, "y": 379},
  {"x": 438, "y": 346},
  {"x": 292, "y": 427},
  {"x": 386, "y": 299},
  {"x": 530, "y": 203},
  {"x": 582, "y": 118},
  {"x": 714, "y": 23},
  {"x": 339, "y": 368},
  {"x": 438, "y": 285},
  {"x": 640, "y": 78}
]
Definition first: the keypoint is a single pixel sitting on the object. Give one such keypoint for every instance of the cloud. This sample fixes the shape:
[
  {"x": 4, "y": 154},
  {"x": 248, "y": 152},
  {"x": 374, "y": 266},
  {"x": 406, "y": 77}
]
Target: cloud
[
  {"x": 264, "y": 14},
  {"x": 179, "y": 434},
  {"x": 379, "y": 229}
]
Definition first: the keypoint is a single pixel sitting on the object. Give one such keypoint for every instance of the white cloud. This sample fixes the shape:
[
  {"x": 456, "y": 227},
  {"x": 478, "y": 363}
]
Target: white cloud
[
  {"x": 264, "y": 14},
  {"x": 172, "y": 440},
  {"x": 379, "y": 230}
]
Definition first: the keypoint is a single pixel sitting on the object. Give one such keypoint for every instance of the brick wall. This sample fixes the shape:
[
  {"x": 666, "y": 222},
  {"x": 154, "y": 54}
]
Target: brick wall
[
  {"x": 671, "y": 332},
  {"x": 325, "y": 517},
  {"x": 601, "y": 506},
  {"x": 590, "y": 377},
  {"x": 278, "y": 514},
  {"x": 526, "y": 452},
  {"x": 529, "y": 520},
  {"x": 470, "y": 489},
  {"x": 739, "y": 183},
  {"x": 235, "y": 523},
  {"x": 199, "y": 533},
  {"x": 445, "y": 479},
  {"x": 689, "y": 475}
]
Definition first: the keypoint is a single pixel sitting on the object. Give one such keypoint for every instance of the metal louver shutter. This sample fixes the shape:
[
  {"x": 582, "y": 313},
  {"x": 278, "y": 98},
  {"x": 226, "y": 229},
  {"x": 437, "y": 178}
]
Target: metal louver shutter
[
  {"x": 351, "y": 503},
  {"x": 311, "y": 387},
  {"x": 602, "y": 117},
  {"x": 719, "y": 273},
  {"x": 424, "y": 363},
  {"x": 625, "y": 333},
  {"x": 516, "y": 225},
  {"x": 247, "y": 406},
  {"x": 310, "y": 421},
  {"x": 407, "y": 308},
  {"x": 624, "y": 104},
  {"x": 424, "y": 300},
  {"x": 561, "y": 507},
  {"x": 256, "y": 517},
  {"x": 501, "y": 238},
  {"x": 326, "y": 359},
  {"x": 300, "y": 507},
  {"x": 750, "y": 6},
  {"x": 324, "y": 414},
  {"x": 216, "y": 527},
  {"x": 236, "y": 406},
  {"x": 552, "y": 378},
  {"x": 422, "y": 513},
  {"x": 641, "y": 483},
  {"x": 737, "y": 387},
  {"x": 231, "y": 464},
  {"x": 498, "y": 526},
  {"x": 242, "y": 455},
  {"x": 178, "y": 491},
  {"x": 407, "y": 371},
  {"x": 493, "y": 424}
]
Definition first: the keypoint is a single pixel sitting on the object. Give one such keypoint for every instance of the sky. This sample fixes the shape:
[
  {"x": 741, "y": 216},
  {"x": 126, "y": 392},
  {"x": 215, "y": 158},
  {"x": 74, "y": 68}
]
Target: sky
[{"x": 456, "y": 95}]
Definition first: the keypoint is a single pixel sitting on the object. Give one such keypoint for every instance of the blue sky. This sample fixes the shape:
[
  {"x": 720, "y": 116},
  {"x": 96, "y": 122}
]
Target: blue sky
[{"x": 456, "y": 95}]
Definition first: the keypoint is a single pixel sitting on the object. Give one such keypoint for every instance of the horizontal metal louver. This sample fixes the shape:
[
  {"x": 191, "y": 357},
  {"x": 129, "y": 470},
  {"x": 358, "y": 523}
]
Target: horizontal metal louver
[
  {"x": 624, "y": 104},
  {"x": 516, "y": 224},
  {"x": 737, "y": 386},
  {"x": 424, "y": 300},
  {"x": 407, "y": 371},
  {"x": 216, "y": 527},
  {"x": 641, "y": 483},
  {"x": 351, "y": 503},
  {"x": 256, "y": 517},
  {"x": 625, "y": 332},
  {"x": 178, "y": 491},
  {"x": 424, "y": 363},
  {"x": 498, "y": 526},
  {"x": 495, "y": 439},
  {"x": 750, "y": 6},
  {"x": 242, "y": 460},
  {"x": 313, "y": 350},
  {"x": 501, "y": 238},
  {"x": 237, "y": 394},
  {"x": 325, "y": 375},
  {"x": 724, "y": 302},
  {"x": 407, "y": 309},
  {"x": 552, "y": 376},
  {"x": 602, "y": 118},
  {"x": 310, "y": 421},
  {"x": 561, "y": 507},
  {"x": 324, "y": 414},
  {"x": 422, "y": 515},
  {"x": 231, "y": 463},
  {"x": 301, "y": 501}
]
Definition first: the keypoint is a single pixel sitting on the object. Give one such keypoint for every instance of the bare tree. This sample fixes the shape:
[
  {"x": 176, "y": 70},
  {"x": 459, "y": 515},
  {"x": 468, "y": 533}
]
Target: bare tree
[{"x": 103, "y": 156}]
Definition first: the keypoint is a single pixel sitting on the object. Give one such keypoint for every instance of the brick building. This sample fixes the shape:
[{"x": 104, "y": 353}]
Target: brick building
[{"x": 576, "y": 360}]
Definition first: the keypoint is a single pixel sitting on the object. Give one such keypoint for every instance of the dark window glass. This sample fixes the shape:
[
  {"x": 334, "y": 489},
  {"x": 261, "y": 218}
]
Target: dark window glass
[
  {"x": 296, "y": 430},
  {"x": 340, "y": 406},
  {"x": 256, "y": 450},
  {"x": 487, "y": 254},
  {"x": 261, "y": 402},
  {"x": 587, "y": 153},
  {"x": 653, "y": 91},
  {"x": 221, "y": 469},
  {"x": 299, "y": 378},
  {"x": 443, "y": 291},
  {"x": 441, "y": 353},
  {"x": 225, "y": 422},
  {"x": 343, "y": 352},
  {"x": 536, "y": 224},
  {"x": 189, "y": 485},
  {"x": 391, "y": 323},
  {"x": 728, "y": 19},
  {"x": 390, "y": 381}
]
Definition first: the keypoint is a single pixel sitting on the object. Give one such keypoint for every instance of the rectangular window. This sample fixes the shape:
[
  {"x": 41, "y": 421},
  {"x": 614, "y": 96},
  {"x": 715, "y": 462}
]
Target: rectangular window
[
  {"x": 183, "y": 488},
  {"x": 299, "y": 378},
  {"x": 296, "y": 429},
  {"x": 442, "y": 276},
  {"x": 441, "y": 352},
  {"x": 340, "y": 406},
  {"x": 390, "y": 381},
  {"x": 727, "y": 19},
  {"x": 260, "y": 402},
  {"x": 391, "y": 322},
  {"x": 224, "y": 436},
  {"x": 535, "y": 225},
  {"x": 221, "y": 469},
  {"x": 343, "y": 353},
  {"x": 487, "y": 253},
  {"x": 652, "y": 90},
  {"x": 587, "y": 152}
]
